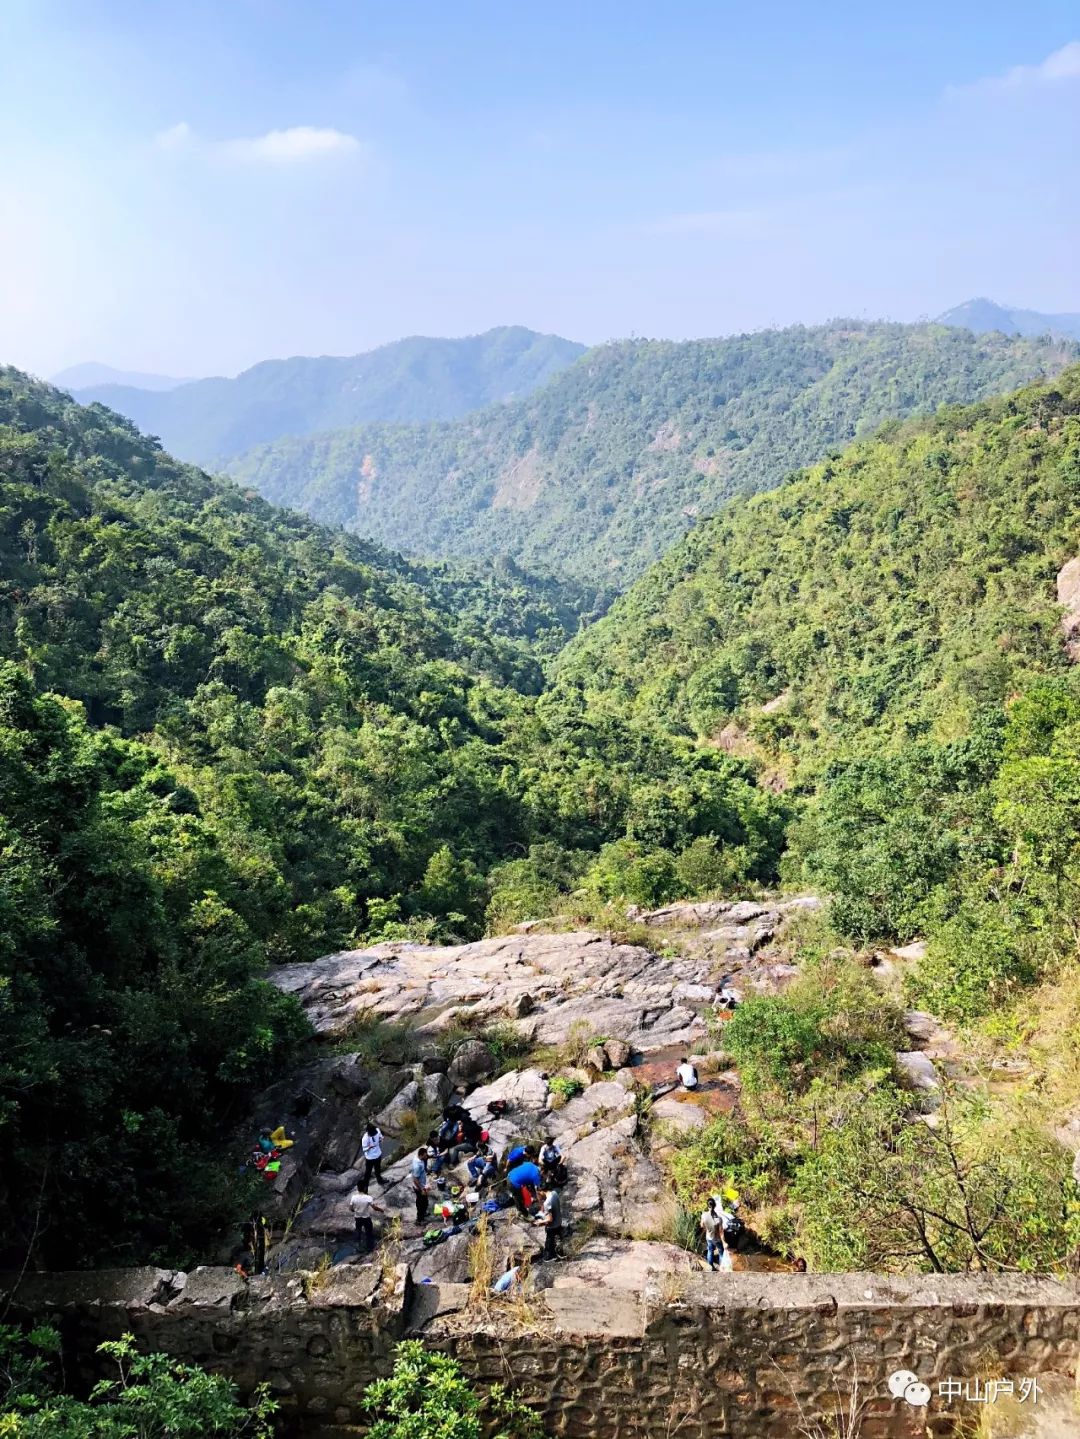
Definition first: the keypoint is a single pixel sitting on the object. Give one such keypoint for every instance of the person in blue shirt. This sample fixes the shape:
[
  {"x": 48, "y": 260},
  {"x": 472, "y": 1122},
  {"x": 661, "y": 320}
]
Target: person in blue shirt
[
  {"x": 524, "y": 1182},
  {"x": 517, "y": 1154},
  {"x": 421, "y": 1188}
]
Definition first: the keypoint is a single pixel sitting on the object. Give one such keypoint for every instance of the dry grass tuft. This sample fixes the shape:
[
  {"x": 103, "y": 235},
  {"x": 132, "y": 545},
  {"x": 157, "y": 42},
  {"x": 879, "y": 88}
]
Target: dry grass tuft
[
  {"x": 481, "y": 1265},
  {"x": 390, "y": 1253},
  {"x": 315, "y": 1279}
]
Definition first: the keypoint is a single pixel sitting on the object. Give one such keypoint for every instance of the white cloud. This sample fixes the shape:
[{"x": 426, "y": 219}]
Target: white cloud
[
  {"x": 176, "y": 137},
  {"x": 277, "y": 147},
  {"x": 287, "y": 147},
  {"x": 1063, "y": 64}
]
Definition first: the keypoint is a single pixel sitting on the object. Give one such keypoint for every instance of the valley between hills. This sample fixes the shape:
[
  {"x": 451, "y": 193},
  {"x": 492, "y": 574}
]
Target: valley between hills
[{"x": 311, "y": 833}]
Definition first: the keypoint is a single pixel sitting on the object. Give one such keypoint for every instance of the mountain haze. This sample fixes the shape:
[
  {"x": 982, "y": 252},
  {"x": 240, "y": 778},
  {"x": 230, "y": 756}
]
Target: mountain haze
[
  {"x": 983, "y": 316},
  {"x": 598, "y": 472},
  {"x": 209, "y": 421},
  {"x": 81, "y": 377}
]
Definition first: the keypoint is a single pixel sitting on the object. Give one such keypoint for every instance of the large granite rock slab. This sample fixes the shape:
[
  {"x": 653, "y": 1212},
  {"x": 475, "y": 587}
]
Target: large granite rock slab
[{"x": 551, "y": 987}]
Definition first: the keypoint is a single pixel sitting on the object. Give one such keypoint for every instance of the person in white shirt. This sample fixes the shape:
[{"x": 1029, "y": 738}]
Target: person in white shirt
[
  {"x": 687, "y": 1075},
  {"x": 371, "y": 1142},
  {"x": 712, "y": 1226},
  {"x": 363, "y": 1207}
]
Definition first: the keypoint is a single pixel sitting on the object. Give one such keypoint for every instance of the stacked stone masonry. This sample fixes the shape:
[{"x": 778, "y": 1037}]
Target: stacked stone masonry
[{"x": 748, "y": 1356}]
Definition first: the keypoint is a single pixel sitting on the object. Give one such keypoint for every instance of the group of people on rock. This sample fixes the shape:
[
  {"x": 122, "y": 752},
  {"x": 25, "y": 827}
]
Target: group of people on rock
[{"x": 529, "y": 1176}]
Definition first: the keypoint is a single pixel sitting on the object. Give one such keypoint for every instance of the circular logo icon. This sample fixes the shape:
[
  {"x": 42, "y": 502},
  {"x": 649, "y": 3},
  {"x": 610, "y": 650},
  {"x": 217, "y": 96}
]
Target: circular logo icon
[{"x": 899, "y": 1381}]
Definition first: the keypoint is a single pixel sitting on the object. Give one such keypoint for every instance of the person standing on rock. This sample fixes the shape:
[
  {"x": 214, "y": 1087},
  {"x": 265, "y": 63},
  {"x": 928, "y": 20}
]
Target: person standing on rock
[
  {"x": 421, "y": 1189},
  {"x": 712, "y": 1226},
  {"x": 363, "y": 1207},
  {"x": 371, "y": 1142},
  {"x": 550, "y": 1220}
]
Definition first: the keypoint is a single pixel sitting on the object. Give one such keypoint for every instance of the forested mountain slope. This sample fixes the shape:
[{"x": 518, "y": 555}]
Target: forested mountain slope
[
  {"x": 228, "y": 736},
  {"x": 210, "y": 421},
  {"x": 882, "y": 595},
  {"x": 597, "y": 473},
  {"x": 883, "y": 633}
]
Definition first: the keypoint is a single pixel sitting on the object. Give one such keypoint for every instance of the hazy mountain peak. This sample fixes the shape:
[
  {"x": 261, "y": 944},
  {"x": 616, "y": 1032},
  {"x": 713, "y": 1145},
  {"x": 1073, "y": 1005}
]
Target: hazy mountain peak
[
  {"x": 93, "y": 373},
  {"x": 408, "y": 381},
  {"x": 983, "y": 315}
]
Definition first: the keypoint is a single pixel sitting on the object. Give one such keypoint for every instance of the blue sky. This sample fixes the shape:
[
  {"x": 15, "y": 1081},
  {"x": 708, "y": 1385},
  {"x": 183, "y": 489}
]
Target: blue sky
[{"x": 191, "y": 187}]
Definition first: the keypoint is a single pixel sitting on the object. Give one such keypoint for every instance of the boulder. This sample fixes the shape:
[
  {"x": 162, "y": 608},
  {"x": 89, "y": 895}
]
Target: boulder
[
  {"x": 678, "y": 1117},
  {"x": 436, "y": 1090},
  {"x": 340, "y": 1145},
  {"x": 445, "y": 1263},
  {"x": 916, "y": 950},
  {"x": 327, "y": 1183},
  {"x": 702, "y": 912},
  {"x": 618, "y": 1053},
  {"x": 596, "y": 1061},
  {"x": 405, "y": 1100},
  {"x": 694, "y": 993},
  {"x": 920, "y": 1025},
  {"x": 745, "y": 910},
  {"x": 801, "y": 903},
  {"x": 918, "y": 1070},
  {"x": 471, "y": 1061},
  {"x": 522, "y": 1089}
]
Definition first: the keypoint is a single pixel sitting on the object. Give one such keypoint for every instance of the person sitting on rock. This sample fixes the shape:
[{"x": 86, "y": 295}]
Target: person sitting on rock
[
  {"x": 551, "y": 1164},
  {"x": 483, "y": 1166},
  {"x": 471, "y": 1133},
  {"x": 687, "y": 1074},
  {"x": 437, "y": 1151},
  {"x": 371, "y": 1143}
]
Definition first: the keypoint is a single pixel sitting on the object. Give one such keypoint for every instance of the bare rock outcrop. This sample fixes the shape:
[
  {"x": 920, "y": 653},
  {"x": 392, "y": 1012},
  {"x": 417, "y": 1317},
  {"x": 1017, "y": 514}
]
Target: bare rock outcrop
[
  {"x": 1068, "y": 594},
  {"x": 546, "y": 985}
]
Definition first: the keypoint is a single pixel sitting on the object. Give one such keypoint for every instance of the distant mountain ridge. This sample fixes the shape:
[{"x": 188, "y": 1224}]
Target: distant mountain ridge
[
  {"x": 983, "y": 316},
  {"x": 598, "y": 472},
  {"x": 211, "y": 421},
  {"x": 93, "y": 374}
]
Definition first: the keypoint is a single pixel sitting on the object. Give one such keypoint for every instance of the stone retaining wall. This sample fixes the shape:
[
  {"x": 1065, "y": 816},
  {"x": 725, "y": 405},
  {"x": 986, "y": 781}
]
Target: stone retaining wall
[{"x": 749, "y": 1356}]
